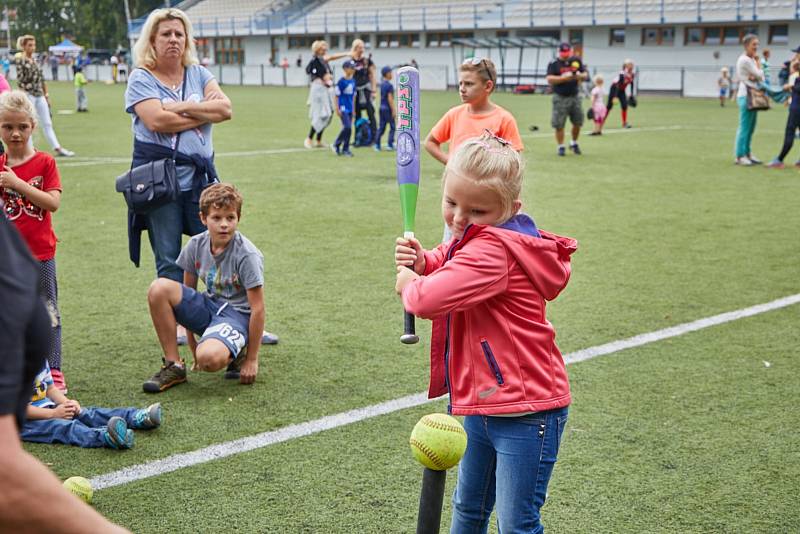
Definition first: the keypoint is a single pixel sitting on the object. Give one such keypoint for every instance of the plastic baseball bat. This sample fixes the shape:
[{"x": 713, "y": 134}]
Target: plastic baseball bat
[{"x": 408, "y": 149}]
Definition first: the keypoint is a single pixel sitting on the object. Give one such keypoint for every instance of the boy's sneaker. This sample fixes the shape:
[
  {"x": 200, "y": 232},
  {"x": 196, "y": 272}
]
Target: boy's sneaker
[
  {"x": 390, "y": 147},
  {"x": 307, "y": 143},
  {"x": 58, "y": 380},
  {"x": 576, "y": 149},
  {"x": 626, "y": 125},
  {"x": 377, "y": 148},
  {"x": 562, "y": 151},
  {"x": 347, "y": 153},
  {"x": 148, "y": 418},
  {"x": 335, "y": 149},
  {"x": 268, "y": 338},
  {"x": 776, "y": 164},
  {"x": 169, "y": 375},
  {"x": 754, "y": 160},
  {"x": 117, "y": 435},
  {"x": 61, "y": 151},
  {"x": 234, "y": 368},
  {"x": 743, "y": 161}
]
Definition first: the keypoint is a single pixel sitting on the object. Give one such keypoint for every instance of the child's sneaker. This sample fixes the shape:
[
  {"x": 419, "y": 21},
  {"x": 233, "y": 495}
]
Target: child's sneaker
[
  {"x": 390, "y": 148},
  {"x": 319, "y": 144},
  {"x": 377, "y": 148},
  {"x": 347, "y": 153},
  {"x": 117, "y": 435},
  {"x": 575, "y": 148},
  {"x": 268, "y": 338},
  {"x": 148, "y": 418},
  {"x": 307, "y": 143},
  {"x": 170, "y": 374},
  {"x": 235, "y": 367},
  {"x": 335, "y": 149},
  {"x": 776, "y": 164},
  {"x": 58, "y": 380},
  {"x": 61, "y": 151},
  {"x": 562, "y": 151}
]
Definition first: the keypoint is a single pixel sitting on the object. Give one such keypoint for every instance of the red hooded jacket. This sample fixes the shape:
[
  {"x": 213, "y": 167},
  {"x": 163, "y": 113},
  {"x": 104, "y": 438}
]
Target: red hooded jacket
[{"x": 492, "y": 347}]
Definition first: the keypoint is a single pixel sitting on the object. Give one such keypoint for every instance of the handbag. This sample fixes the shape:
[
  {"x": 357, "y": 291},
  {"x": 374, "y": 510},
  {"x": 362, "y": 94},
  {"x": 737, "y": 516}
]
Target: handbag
[
  {"x": 757, "y": 99},
  {"x": 590, "y": 114},
  {"x": 152, "y": 184}
]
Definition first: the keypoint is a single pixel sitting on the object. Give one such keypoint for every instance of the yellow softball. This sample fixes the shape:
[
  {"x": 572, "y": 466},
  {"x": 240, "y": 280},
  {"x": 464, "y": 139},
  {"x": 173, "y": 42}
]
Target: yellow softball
[
  {"x": 438, "y": 441},
  {"x": 80, "y": 487}
]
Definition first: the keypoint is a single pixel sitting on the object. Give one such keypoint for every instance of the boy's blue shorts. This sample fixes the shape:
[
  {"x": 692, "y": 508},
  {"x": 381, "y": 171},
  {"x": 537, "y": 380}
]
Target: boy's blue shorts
[{"x": 211, "y": 319}]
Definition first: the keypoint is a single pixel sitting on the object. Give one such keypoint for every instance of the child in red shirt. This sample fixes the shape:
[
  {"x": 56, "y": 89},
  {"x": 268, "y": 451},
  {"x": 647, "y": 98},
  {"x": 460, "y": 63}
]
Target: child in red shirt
[
  {"x": 30, "y": 188},
  {"x": 476, "y": 82}
]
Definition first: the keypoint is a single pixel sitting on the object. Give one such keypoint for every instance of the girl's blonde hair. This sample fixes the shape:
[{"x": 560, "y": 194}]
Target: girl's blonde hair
[
  {"x": 22, "y": 39},
  {"x": 357, "y": 42},
  {"x": 17, "y": 102},
  {"x": 144, "y": 55},
  {"x": 598, "y": 80},
  {"x": 724, "y": 70},
  {"x": 491, "y": 162},
  {"x": 316, "y": 46}
]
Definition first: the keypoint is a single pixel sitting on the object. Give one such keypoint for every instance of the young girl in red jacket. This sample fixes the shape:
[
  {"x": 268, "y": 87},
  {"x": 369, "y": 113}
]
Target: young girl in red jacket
[{"x": 492, "y": 348}]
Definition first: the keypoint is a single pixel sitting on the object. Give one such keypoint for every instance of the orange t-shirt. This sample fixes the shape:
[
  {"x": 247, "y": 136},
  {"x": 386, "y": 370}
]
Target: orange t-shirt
[{"x": 459, "y": 124}]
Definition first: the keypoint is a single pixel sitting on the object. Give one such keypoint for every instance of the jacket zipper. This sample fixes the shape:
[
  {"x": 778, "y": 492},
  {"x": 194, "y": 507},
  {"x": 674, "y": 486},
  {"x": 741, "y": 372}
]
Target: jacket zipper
[
  {"x": 490, "y": 359},
  {"x": 447, "y": 334}
]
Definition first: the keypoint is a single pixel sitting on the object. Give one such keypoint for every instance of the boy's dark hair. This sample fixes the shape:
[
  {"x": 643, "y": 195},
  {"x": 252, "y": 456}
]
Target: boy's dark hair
[{"x": 220, "y": 196}]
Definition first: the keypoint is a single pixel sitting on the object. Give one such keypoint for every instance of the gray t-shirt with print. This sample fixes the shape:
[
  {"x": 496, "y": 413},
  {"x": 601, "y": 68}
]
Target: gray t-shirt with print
[{"x": 229, "y": 274}]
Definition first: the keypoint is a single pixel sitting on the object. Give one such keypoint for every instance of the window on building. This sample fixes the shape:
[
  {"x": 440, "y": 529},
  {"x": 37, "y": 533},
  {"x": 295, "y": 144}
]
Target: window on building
[
  {"x": 229, "y": 51},
  {"x": 576, "y": 37},
  {"x": 348, "y": 40},
  {"x": 334, "y": 42},
  {"x": 404, "y": 40},
  {"x": 779, "y": 34},
  {"x": 545, "y": 34},
  {"x": 694, "y": 36},
  {"x": 501, "y": 33},
  {"x": 658, "y": 36},
  {"x": 732, "y": 35},
  {"x": 203, "y": 47},
  {"x": 616, "y": 37},
  {"x": 303, "y": 41},
  {"x": 713, "y": 35},
  {"x": 444, "y": 39}
]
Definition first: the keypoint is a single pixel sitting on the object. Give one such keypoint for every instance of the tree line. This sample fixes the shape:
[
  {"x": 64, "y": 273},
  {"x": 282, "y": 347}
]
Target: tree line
[{"x": 90, "y": 23}]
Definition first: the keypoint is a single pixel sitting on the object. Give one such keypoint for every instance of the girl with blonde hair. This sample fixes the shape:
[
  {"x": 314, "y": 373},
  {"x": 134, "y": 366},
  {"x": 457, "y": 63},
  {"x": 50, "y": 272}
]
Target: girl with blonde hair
[
  {"x": 319, "y": 97},
  {"x": 492, "y": 348}
]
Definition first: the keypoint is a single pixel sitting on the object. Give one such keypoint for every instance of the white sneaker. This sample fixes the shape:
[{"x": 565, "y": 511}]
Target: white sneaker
[
  {"x": 744, "y": 160},
  {"x": 307, "y": 143},
  {"x": 61, "y": 151},
  {"x": 754, "y": 160}
]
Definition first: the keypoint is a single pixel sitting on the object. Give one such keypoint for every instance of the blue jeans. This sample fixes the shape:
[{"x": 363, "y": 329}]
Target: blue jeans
[
  {"x": 86, "y": 430},
  {"x": 165, "y": 227},
  {"x": 386, "y": 118},
  {"x": 509, "y": 461},
  {"x": 747, "y": 125},
  {"x": 344, "y": 136}
]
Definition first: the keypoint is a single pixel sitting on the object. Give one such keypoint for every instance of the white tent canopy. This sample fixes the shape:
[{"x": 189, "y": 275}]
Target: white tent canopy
[{"x": 66, "y": 47}]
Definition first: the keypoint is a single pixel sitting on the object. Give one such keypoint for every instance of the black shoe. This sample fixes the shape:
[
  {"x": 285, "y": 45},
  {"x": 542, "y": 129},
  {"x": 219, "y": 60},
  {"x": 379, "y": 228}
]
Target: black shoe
[
  {"x": 234, "y": 368},
  {"x": 575, "y": 149},
  {"x": 562, "y": 151}
]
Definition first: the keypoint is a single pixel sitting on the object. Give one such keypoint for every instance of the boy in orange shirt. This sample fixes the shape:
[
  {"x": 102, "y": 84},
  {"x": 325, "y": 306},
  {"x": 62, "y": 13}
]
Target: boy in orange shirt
[{"x": 476, "y": 81}]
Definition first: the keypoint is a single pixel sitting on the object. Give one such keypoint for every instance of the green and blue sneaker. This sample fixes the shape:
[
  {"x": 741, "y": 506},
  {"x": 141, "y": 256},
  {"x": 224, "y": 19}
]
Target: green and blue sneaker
[
  {"x": 148, "y": 418},
  {"x": 117, "y": 435}
]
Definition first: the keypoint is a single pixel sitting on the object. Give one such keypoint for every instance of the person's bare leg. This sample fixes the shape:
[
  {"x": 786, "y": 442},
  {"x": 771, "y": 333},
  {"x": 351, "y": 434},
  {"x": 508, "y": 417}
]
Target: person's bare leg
[
  {"x": 164, "y": 294},
  {"x": 560, "y": 136},
  {"x": 212, "y": 355},
  {"x": 576, "y": 131}
]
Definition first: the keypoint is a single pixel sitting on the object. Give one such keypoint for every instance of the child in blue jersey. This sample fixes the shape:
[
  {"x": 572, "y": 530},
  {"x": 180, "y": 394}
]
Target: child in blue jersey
[
  {"x": 345, "y": 93},
  {"x": 387, "y": 109},
  {"x": 53, "y": 418}
]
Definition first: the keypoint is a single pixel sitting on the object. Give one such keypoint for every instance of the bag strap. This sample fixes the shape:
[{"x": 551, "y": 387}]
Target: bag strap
[{"x": 183, "y": 94}]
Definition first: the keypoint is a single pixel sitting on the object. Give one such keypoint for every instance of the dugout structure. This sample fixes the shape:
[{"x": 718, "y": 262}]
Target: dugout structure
[{"x": 526, "y": 72}]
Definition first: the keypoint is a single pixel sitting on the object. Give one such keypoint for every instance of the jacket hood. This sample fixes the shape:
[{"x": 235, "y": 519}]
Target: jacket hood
[{"x": 543, "y": 256}]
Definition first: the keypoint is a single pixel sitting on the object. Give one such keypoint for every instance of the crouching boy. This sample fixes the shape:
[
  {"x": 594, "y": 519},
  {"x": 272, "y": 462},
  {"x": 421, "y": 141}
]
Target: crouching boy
[
  {"x": 231, "y": 309},
  {"x": 54, "y": 418}
]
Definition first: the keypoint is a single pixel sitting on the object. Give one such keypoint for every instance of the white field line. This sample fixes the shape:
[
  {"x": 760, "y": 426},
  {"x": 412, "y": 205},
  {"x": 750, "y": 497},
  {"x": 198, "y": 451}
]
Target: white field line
[
  {"x": 90, "y": 161},
  {"x": 546, "y": 132},
  {"x": 229, "y": 448}
]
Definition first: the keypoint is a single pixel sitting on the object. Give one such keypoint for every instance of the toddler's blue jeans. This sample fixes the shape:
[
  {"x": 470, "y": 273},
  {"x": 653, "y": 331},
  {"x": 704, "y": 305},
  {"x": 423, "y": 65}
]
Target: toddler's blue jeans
[
  {"x": 86, "y": 430},
  {"x": 509, "y": 461}
]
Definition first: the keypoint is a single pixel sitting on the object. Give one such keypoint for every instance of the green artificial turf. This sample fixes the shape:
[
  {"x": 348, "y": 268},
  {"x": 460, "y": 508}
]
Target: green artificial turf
[{"x": 693, "y": 434}]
